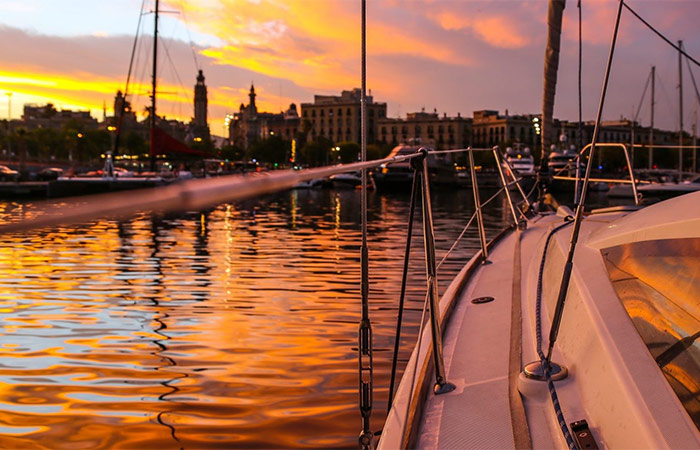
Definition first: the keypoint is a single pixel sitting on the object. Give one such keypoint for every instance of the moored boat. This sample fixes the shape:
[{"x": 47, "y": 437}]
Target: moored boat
[{"x": 399, "y": 175}]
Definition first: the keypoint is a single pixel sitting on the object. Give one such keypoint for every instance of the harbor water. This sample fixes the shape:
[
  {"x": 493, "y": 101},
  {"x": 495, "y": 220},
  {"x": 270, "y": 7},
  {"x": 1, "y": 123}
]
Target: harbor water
[{"x": 234, "y": 327}]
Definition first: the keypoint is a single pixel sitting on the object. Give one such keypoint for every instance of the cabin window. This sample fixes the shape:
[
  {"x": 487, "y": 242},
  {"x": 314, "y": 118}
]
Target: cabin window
[{"x": 658, "y": 283}]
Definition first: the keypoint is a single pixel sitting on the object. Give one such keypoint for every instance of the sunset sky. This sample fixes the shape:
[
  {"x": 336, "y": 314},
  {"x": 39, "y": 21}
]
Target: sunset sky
[{"x": 449, "y": 55}]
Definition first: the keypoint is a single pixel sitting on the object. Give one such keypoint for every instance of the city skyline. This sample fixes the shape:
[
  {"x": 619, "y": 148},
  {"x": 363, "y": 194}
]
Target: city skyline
[{"x": 444, "y": 55}]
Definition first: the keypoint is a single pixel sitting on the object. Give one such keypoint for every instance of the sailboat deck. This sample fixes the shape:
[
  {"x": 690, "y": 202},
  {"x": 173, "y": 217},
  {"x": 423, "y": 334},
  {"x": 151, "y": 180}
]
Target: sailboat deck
[{"x": 477, "y": 349}]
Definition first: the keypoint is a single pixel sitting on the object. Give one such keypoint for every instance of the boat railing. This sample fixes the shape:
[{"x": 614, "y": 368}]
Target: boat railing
[
  {"x": 197, "y": 194},
  {"x": 405, "y": 409},
  {"x": 632, "y": 180}
]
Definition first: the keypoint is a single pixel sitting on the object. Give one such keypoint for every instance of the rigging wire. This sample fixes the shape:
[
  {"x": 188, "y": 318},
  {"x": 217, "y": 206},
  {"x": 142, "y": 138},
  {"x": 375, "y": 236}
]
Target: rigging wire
[
  {"x": 133, "y": 50},
  {"x": 189, "y": 36},
  {"x": 579, "y": 140},
  {"x": 366, "y": 374},
  {"x": 692, "y": 77},
  {"x": 580, "y": 68},
  {"x": 183, "y": 91},
  {"x": 146, "y": 48},
  {"x": 658, "y": 33},
  {"x": 641, "y": 100},
  {"x": 120, "y": 114}
]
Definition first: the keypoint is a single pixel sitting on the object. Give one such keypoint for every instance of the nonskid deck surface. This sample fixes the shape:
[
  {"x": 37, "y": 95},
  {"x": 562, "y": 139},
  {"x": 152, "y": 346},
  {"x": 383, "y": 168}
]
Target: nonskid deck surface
[
  {"x": 485, "y": 411},
  {"x": 477, "y": 350}
]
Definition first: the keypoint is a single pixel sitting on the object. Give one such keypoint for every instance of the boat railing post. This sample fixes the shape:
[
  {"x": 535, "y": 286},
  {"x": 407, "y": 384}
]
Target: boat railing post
[
  {"x": 517, "y": 184},
  {"x": 441, "y": 384},
  {"x": 497, "y": 157},
  {"x": 577, "y": 188},
  {"x": 631, "y": 170},
  {"x": 477, "y": 205}
]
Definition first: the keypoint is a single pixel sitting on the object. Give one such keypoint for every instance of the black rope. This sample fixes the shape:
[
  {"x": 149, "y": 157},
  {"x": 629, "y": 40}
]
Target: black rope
[
  {"x": 404, "y": 279},
  {"x": 658, "y": 33},
  {"x": 538, "y": 328}
]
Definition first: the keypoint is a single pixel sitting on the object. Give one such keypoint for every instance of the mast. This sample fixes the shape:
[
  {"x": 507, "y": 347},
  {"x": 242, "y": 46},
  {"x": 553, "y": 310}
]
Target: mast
[
  {"x": 651, "y": 127},
  {"x": 551, "y": 64},
  {"x": 153, "y": 89},
  {"x": 695, "y": 137},
  {"x": 680, "y": 104}
]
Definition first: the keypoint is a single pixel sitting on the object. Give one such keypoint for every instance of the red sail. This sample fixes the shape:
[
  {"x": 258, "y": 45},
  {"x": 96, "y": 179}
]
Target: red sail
[{"x": 162, "y": 143}]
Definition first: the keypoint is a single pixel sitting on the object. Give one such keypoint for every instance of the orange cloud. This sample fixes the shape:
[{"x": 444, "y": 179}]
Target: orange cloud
[
  {"x": 498, "y": 31},
  {"x": 313, "y": 44}
]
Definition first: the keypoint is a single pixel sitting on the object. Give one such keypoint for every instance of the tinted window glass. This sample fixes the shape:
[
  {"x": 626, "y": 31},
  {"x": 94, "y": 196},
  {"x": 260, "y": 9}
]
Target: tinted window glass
[{"x": 658, "y": 282}]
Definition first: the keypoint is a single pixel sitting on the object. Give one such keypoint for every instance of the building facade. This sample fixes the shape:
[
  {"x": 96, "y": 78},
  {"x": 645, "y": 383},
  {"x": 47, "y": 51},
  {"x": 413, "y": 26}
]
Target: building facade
[
  {"x": 427, "y": 129},
  {"x": 338, "y": 118}
]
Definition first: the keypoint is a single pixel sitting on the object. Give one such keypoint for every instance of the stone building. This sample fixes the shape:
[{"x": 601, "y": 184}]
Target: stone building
[
  {"x": 248, "y": 126},
  {"x": 490, "y": 128},
  {"x": 338, "y": 117},
  {"x": 427, "y": 129},
  {"x": 285, "y": 125}
]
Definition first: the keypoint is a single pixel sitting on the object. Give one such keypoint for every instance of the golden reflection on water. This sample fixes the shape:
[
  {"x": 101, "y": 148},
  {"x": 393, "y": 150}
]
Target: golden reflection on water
[{"x": 233, "y": 327}]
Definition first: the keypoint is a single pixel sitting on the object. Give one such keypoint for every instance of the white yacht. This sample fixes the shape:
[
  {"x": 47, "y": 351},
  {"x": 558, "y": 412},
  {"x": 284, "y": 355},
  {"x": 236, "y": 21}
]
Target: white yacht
[
  {"x": 521, "y": 161},
  {"x": 627, "y": 336}
]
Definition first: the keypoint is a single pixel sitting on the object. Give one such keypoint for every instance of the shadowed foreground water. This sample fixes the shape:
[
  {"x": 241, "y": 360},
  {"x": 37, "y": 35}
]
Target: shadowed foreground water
[{"x": 233, "y": 327}]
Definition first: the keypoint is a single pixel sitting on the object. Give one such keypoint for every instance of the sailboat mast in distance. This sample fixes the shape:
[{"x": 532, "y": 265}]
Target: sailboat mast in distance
[
  {"x": 680, "y": 105},
  {"x": 651, "y": 127},
  {"x": 153, "y": 90}
]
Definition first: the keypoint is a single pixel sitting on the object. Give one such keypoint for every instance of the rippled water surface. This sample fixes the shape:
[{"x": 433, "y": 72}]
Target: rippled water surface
[{"x": 232, "y": 327}]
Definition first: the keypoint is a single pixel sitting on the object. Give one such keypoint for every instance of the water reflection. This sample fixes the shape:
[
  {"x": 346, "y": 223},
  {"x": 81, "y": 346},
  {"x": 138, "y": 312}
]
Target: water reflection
[{"x": 232, "y": 327}]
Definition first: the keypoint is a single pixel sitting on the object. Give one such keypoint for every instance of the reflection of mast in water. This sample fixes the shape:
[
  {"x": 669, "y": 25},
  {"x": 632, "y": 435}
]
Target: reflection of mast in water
[
  {"x": 157, "y": 224},
  {"x": 201, "y": 251}
]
